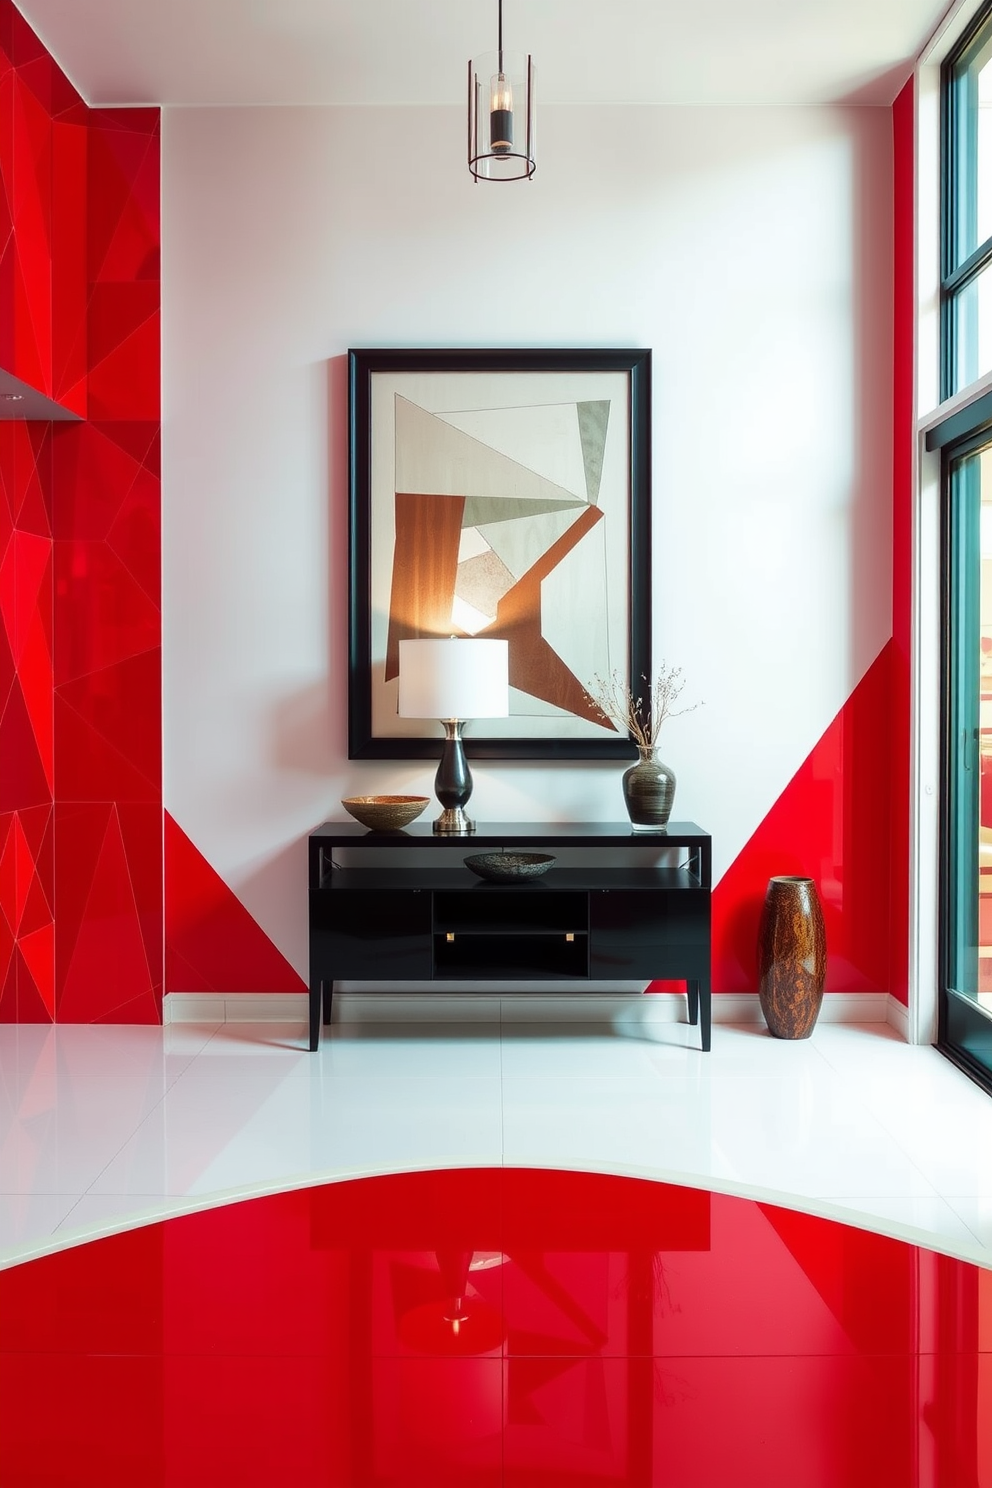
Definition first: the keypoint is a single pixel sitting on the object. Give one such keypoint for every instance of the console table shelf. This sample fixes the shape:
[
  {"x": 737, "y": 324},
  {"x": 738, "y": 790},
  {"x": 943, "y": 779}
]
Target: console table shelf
[{"x": 437, "y": 921}]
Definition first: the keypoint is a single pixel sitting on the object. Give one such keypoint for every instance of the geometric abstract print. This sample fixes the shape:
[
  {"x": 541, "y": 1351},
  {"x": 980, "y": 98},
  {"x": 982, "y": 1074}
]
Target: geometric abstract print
[{"x": 491, "y": 541}]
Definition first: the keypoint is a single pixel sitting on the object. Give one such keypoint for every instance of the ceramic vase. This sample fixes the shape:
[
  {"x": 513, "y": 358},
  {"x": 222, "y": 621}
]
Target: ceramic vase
[
  {"x": 792, "y": 957},
  {"x": 648, "y": 791}
]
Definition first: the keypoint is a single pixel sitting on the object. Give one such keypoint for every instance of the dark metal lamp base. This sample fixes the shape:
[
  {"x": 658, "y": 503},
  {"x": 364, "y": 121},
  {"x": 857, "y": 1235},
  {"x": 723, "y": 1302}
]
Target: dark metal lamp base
[
  {"x": 453, "y": 820},
  {"x": 453, "y": 782}
]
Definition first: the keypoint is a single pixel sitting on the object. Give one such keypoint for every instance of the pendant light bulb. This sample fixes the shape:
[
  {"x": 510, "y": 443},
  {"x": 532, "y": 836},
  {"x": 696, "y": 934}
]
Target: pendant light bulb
[{"x": 500, "y": 115}]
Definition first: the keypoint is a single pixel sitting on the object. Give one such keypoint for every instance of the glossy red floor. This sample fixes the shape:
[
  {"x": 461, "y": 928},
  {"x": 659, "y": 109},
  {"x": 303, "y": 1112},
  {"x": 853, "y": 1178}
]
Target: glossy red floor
[{"x": 497, "y": 1326}]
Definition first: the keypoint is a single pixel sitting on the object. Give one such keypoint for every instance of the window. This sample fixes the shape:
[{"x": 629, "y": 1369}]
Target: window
[
  {"x": 966, "y": 980},
  {"x": 964, "y": 439},
  {"x": 966, "y": 269}
]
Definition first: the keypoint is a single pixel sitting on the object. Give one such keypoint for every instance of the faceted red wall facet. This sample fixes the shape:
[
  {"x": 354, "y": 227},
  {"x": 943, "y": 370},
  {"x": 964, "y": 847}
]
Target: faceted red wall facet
[{"x": 27, "y": 992}]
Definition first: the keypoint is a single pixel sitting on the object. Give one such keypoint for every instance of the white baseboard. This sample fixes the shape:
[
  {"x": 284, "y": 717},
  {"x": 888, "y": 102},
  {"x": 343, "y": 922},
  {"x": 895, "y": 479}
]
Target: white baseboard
[
  {"x": 239, "y": 1007},
  {"x": 492, "y": 1004},
  {"x": 898, "y": 1017}
]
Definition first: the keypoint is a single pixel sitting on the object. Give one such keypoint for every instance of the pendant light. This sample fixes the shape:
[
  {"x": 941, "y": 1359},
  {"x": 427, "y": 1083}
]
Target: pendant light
[{"x": 501, "y": 114}]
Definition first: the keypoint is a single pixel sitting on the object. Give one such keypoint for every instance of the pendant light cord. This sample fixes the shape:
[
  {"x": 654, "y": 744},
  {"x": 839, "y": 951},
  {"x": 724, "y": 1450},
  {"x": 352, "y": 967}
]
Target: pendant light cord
[{"x": 500, "y": 34}]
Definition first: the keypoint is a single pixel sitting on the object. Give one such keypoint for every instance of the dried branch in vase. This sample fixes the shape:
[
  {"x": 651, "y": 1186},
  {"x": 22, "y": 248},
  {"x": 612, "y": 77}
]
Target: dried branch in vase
[{"x": 640, "y": 716}]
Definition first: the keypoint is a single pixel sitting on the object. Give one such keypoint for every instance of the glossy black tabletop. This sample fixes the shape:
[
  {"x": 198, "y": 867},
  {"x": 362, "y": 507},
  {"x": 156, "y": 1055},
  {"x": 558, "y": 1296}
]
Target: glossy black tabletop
[{"x": 498, "y": 834}]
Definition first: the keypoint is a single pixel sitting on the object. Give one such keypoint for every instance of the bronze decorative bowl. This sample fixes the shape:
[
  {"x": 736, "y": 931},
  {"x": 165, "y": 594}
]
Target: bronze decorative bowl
[
  {"x": 385, "y": 813},
  {"x": 504, "y": 867}
]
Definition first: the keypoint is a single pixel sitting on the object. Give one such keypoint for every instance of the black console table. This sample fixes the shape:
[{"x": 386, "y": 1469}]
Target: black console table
[{"x": 374, "y": 919}]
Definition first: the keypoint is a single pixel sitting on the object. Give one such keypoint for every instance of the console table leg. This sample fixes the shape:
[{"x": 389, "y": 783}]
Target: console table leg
[
  {"x": 705, "y": 1014},
  {"x": 328, "y": 987},
  {"x": 315, "y": 991},
  {"x": 692, "y": 999}
]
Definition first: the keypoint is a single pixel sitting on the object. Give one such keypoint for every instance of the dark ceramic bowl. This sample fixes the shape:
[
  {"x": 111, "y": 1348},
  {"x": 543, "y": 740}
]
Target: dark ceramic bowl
[{"x": 509, "y": 867}]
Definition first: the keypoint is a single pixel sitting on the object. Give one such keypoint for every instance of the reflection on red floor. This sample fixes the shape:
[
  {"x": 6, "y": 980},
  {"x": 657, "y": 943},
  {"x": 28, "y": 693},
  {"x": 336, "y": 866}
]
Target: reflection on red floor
[{"x": 488, "y": 1327}]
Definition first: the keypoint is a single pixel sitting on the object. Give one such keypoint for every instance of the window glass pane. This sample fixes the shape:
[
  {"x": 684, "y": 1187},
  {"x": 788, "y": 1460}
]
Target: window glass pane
[
  {"x": 983, "y": 157},
  {"x": 970, "y": 143},
  {"x": 969, "y": 734},
  {"x": 966, "y": 628},
  {"x": 982, "y": 673},
  {"x": 973, "y": 330}
]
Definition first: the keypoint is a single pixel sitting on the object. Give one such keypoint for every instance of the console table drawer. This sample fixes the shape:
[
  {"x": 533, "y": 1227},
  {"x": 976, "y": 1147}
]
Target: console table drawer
[
  {"x": 361, "y": 935},
  {"x": 524, "y": 909},
  {"x": 480, "y": 956},
  {"x": 649, "y": 933}
]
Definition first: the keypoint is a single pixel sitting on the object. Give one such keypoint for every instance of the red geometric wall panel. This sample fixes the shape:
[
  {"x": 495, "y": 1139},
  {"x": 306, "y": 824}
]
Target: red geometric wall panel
[
  {"x": 108, "y": 623},
  {"x": 25, "y": 205},
  {"x": 27, "y": 990},
  {"x": 42, "y": 218},
  {"x": 105, "y": 945},
  {"x": 80, "y": 551},
  {"x": 123, "y": 234},
  {"x": 831, "y": 823},
  {"x": 212, "y": 942}
]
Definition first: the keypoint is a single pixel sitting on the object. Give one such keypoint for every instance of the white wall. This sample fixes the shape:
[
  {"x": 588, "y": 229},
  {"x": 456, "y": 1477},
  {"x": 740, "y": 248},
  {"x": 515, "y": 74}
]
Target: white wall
[{"x": 751, "y": 249}]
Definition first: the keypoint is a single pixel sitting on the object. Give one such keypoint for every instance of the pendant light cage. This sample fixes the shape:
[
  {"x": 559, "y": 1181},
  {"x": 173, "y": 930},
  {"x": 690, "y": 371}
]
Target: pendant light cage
[{"x": 501, "y": 124}]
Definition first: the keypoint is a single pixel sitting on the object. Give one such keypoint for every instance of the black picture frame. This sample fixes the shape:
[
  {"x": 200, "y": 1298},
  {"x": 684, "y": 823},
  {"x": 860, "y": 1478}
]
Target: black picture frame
[{"x": 365, "y": 366}]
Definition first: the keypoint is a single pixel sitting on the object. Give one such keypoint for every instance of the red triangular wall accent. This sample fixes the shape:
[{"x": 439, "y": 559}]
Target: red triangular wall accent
[
  {"x": 34, "y": 516},
  {"x": 22, "y": 775},
  {"x": 144, "y": 1009},
  {"x": 6, "y": 666},
  {"x": 8, "y": 991},
  {"x": 182, "y": 974},
  {"x": 115, "y": 312},
  {"x": 34, "y": 823},
  {"x": 8, "y": 873},
  {"x": 79, "y": 829},
  {"x": 108, "y": 965},
  {"x": 37, "y": 912},
  {"x": 93, "y": 474},
  {"x": 831, "y": 823},
  {"x": 127, "y": 380},
  {"x": 24, "y": 874},
  {"x": 141, "y": 440},
  {"x": 135, "y": 535},
  {"x": 31, "y": 555},
  {"x": 30, "y": 1003},
  {"x": 6, "y": 947},
  {"x": 35, "y": 673},
  {"x": 38, "y": 953},
  {"x": 208, "y": 930}
]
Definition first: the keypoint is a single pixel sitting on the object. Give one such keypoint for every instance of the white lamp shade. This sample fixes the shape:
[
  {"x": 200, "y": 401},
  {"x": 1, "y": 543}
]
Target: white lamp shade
[{"x": 454, "y": 679}]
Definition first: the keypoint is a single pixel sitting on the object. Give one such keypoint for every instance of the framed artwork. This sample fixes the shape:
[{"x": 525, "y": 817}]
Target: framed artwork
[{"x": 506, "y": 495}]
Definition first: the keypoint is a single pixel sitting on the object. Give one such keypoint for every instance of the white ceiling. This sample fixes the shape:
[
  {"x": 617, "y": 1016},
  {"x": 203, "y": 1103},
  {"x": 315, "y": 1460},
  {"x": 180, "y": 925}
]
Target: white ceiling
[{"x": 201, "y": 52}]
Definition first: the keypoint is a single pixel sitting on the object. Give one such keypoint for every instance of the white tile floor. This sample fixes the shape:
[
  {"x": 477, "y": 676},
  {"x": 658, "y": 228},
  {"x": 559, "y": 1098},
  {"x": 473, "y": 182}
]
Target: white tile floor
[{"x": 101, "y": 1127}]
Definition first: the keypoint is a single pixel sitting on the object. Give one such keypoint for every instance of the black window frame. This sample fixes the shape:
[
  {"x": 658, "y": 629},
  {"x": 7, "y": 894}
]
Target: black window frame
[
  {"x": 958, "y": 167},
  {"x": 964, "y": 1031}
]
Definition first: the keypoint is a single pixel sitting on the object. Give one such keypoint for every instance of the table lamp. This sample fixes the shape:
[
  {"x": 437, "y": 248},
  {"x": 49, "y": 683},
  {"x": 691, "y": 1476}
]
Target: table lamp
[{"x": 453, "y": 680}]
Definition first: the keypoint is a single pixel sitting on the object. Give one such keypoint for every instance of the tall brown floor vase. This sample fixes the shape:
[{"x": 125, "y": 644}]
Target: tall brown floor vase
[{"x": 792, "y": 957}]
